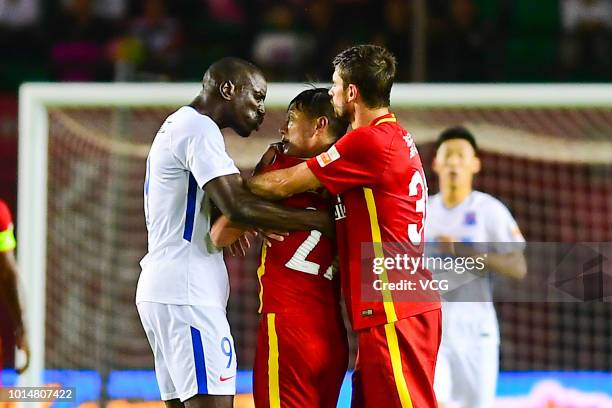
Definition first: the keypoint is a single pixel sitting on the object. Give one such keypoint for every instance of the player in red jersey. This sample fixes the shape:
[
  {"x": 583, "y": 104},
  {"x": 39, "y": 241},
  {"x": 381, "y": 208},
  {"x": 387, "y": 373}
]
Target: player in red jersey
[
  {"x": 9, "y": 298},
  {"x": 377, "y": 173},
  {"x": 302, "y": 349}
]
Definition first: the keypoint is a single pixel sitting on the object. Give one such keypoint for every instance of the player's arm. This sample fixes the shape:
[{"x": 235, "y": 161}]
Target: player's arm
[
  {"x": 205, "y": 156},
  {"x": 9, "y": 295},
  {"x": 355, "y": 160},
  {"x": 511, "y": 264},
  {"x": 241, "y": 206},
  {"x": 283, "y": 183},
  {"x": 223, "y": 232},
  {"x": 508, "y": 258},
  {"x": 237, "y": 238},
  {"x": 8, "y": 288}
]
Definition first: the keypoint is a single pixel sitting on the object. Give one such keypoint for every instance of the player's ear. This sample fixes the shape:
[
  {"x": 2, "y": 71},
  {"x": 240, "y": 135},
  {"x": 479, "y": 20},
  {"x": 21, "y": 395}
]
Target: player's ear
[
  {"x": 226, "y": 89},
  {"x": 476, "y": 165},
  {"x": 321, "y": 123},
  {"x": 434, "y": 166},
  {"x": 352, "y": 92}
]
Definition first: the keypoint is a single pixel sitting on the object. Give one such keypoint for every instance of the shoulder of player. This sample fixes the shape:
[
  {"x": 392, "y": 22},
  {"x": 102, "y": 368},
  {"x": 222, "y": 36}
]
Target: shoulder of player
[
  {"x": 489, "y": 203},
  {"x": 435, "y": 208},
  {"x": 357, "y": 133},
  {"x": 433, "y": 199},
  {"x": 187, "y": 119},
  {"x": 364, "y": 137},
  {"x": 384, "y": 131}
]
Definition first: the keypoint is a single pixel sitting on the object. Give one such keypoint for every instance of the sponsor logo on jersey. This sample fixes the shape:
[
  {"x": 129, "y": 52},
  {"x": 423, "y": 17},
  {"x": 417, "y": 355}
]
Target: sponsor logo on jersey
[
  {"x": 470, "y": 218},
  {"x": 339, "y": 209},
  {"x": 328, "y": 157},
  {"x": 222, "y": 378},
  {"x": 410, "y": 143},
  {"x": 367, "y": 312}
]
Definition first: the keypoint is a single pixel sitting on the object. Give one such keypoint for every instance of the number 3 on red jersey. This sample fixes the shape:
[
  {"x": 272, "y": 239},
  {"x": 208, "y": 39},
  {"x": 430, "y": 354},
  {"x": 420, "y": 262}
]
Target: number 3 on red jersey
[{"x": 415, "y": 234}]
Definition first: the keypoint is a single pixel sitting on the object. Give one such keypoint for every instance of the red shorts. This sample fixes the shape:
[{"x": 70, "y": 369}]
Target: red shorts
[
  {"x": 396, "y": 363},
  {"x": 300, "y": 361}
]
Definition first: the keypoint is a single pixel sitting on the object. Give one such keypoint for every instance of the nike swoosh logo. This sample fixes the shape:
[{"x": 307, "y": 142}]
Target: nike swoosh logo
[{"x": 222, "y": 378}]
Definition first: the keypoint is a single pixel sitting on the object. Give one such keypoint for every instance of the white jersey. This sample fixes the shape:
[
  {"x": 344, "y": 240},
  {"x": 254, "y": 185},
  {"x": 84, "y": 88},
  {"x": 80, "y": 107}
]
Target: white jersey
[
  {"x": 180, "y": 267},
  {"x": 479, "y": 218}
]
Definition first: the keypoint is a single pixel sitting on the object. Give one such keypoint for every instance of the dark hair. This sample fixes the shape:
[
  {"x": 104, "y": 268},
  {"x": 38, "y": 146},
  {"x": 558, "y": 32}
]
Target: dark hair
[
  {"x": 372, "y": 69},
  {"x": 315, "y": 103},
  {"x": 457, "y": 132},
  {"x": 229, "y": 68}
]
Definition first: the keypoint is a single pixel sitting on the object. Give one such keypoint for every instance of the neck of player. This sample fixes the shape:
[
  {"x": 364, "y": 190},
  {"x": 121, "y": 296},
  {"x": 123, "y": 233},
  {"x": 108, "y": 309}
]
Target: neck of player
[
  {"x": 364, "y": 115},
  {"x": 206, "y": 106},
  {"x": 452, "y": 196}
]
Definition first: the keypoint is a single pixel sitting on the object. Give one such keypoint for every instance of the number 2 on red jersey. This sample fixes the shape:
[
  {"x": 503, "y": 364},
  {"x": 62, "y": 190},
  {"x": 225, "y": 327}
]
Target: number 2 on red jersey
[{"x": 298, "y": 261}]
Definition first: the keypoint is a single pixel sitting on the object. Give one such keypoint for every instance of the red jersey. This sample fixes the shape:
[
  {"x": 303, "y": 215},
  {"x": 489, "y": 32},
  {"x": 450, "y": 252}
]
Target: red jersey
[
  {"x": 7, "y": 243},
  {"x": 5, "y": 217},
  {"x": 377, "y": 174},
  {"x": 7, "y": 239},
  {"x": 296, "y": 274}
]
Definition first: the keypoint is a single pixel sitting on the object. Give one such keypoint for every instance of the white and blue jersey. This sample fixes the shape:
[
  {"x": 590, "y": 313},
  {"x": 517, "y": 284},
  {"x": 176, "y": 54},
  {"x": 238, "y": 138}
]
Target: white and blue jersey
[
  {"x": 468, "y": 359},
  {"x": 468, "y": 313},
  {"x": 180, "y": 268},
  {"x": 183, "y": 287}
]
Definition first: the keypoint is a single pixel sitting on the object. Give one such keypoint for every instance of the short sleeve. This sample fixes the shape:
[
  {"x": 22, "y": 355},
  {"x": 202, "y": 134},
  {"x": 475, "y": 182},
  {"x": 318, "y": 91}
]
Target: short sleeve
[
  {"x": 203, "y": 149},
  {"x": 7, "y": 238},
  {"x": 355, "y": 160},
  {"x": 504, "y": 233}
]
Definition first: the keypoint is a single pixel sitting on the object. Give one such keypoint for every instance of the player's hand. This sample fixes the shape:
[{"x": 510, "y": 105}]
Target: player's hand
[
  {"x": 21, "y": 342},
  {"x": 269, "y": 236},
  {"x": 335, "y": 268},
  {"x": 242, "y": 244},
  {"x": 446, "y": 244},
  {"x": 336, "y": 264}
]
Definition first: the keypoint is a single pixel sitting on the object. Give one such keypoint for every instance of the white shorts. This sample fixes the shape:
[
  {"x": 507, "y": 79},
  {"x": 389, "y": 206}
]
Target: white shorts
[
  {"x": 193, "y": 349},
  {"x": 466, "y": 374}
]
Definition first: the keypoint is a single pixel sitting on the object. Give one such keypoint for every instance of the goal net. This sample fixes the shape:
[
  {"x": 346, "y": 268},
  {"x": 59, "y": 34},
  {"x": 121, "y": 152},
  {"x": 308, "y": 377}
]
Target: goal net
[{"x": 546, "y": 152}]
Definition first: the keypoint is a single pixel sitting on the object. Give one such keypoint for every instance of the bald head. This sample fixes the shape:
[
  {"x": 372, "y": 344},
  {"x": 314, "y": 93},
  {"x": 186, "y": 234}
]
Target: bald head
[
  {"x": 235, "y": 90},
  {"x": 234, "y": 70}
]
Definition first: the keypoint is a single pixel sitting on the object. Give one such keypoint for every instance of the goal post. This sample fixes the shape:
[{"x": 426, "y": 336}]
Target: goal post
[{"x": 37, "y": 99}]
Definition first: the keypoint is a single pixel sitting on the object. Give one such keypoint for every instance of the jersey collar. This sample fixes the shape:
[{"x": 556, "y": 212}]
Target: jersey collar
[{"x": 389, "y": 117}]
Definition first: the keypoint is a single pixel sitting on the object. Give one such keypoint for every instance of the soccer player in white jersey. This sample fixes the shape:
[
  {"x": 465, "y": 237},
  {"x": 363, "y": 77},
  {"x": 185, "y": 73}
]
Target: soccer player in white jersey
[
  {"x": 183, "y": 287},
  {"x": 466, "y": 371}
]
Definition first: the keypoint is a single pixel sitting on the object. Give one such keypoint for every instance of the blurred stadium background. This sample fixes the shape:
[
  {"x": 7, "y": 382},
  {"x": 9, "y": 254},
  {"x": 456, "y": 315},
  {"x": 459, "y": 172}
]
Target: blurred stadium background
[{"x": 545, "y": 163}]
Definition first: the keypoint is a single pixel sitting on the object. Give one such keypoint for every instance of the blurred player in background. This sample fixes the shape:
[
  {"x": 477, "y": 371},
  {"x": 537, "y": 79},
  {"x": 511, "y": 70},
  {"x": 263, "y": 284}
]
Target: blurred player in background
[
  {"x": 469, "y": 353},
  {"x": 377, "y": 174},
  {"x": 302, "y": 348},
  {"x": 9, "y": 296},
  {"x": 183, "y": 287}
]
